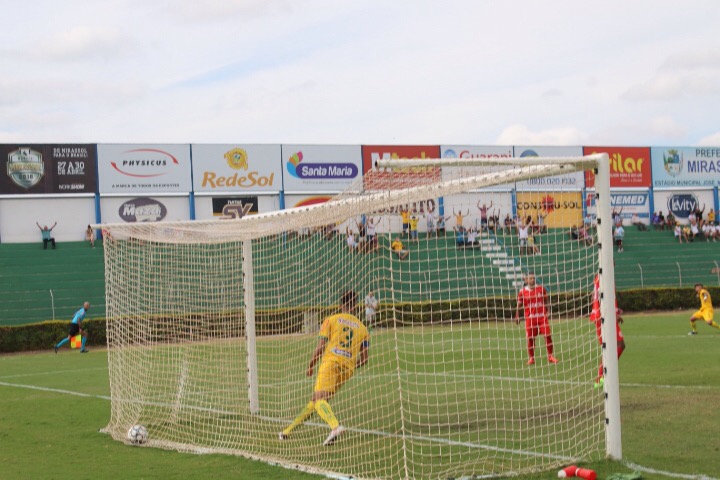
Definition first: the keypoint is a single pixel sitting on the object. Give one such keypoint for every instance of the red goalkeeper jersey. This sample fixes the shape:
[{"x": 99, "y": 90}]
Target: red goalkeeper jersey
[
  {"x": 595, "y": 316},
  {"x": 533, "y": 300}
]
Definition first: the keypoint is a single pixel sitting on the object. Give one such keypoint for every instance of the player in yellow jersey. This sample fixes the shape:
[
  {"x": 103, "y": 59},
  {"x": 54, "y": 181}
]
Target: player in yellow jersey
[
  {"x": 706, "y": 310},
  {"x": 343, "y": 346}
]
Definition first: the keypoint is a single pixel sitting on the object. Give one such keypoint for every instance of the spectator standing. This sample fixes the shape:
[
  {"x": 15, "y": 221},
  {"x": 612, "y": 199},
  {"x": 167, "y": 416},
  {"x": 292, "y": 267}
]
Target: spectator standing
[
  {"x": 459, "y": 237},
  {"x": 47, "y": 235},
  {"x": 484, "y": 213},
  {"x": 351, "y": 241},
  {"x": 371, "y": 305},
  {"x": 430, "y": 219},
  {"x": 711, "y": 217},
  {"x": 90, "y": 236},
  {"x": 523, "y": 235},
  {"x": 371, "y": 233},
  {"x": 414, "y": 228},
  {"x": 532, "y": 248},
  {"x": 619, "y": 236},
  {"x": 441, "y": 226},
  {"x": 588, "y": 221},
  {"x": 405, "y": 215},
  {"x": 508, "y": 223},
  {"x": 459, "y": 217},
  {"x": 699, "y": 215},
  {"x": 661, "y": 220},
  {"x": 541, "y": 222},
  {"x": 529, "y": 222}
]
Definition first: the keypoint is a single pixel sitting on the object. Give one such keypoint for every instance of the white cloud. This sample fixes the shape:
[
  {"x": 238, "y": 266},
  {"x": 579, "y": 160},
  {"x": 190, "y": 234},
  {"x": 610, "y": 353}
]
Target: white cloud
[
  {"x": 665, "y": 126},
  {"x": 357, "y": 72},
  {"x": 522, "y": 135},
  {"x": 693, "y": 60},
  {"x": 681, "y": 74},
  {"x": 662, "y": 88},
  {"x": 712, "y": 140},
  {"x": 81, "y": 43}
]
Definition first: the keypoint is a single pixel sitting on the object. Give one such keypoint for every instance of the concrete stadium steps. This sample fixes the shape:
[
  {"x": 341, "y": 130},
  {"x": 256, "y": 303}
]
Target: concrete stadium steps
[{"x": 74, "y": 272}]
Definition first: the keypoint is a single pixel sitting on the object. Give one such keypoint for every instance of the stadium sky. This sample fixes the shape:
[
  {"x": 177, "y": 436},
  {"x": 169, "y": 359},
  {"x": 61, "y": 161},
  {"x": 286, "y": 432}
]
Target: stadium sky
[{"x": 619, "y": 72}]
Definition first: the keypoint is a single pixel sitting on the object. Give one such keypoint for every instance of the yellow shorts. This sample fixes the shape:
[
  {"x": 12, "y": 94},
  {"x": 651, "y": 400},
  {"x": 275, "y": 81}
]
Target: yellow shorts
[
  {"x": 705, "y": 314},
  {"x": 331, "y": 376}
]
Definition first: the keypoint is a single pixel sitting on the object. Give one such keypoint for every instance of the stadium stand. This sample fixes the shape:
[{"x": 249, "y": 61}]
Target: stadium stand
[{"x": 38, "y": 285}]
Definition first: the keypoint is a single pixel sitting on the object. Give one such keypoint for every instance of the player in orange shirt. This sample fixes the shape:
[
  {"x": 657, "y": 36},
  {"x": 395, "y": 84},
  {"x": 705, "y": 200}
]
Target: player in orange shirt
[
  {"x": 343, "y": 346},
  {"x": 533, "y": 298},
  {"x": 596, "y": 318}
]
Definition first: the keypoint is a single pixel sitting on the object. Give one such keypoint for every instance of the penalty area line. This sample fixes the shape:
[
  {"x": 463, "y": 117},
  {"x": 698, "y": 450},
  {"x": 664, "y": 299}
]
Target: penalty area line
[{"x": 664, "y": 473}]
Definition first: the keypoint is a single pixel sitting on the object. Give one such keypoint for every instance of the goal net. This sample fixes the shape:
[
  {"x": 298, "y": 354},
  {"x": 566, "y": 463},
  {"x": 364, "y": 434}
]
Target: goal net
[{"x": 212, "y": 325}]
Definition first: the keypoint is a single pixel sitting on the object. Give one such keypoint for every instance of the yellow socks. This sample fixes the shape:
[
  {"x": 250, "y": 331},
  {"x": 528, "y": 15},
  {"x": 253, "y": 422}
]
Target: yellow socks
[
  {"x": 322, "y": 407},
  {"x": 304, "y": 415}
]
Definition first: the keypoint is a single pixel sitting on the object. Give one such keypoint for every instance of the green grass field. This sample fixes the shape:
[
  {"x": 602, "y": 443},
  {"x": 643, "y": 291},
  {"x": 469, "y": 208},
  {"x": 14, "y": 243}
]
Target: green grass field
[{"x": 51, "y": 408}]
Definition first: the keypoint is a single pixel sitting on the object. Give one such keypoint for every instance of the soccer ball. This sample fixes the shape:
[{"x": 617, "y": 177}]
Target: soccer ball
[{"x": 137, "y": 434}]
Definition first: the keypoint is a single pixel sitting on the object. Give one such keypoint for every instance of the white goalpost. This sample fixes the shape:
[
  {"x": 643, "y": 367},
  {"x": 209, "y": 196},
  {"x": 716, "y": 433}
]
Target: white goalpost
[{"x": 211, "y": 324}]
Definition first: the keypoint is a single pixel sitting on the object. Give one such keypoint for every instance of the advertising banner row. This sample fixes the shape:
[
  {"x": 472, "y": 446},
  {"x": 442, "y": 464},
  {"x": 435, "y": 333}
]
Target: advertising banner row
[{"x": 205, "y": 169}]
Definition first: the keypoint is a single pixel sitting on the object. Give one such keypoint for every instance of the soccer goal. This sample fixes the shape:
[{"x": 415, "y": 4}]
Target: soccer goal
[{"x": 482, "y": 360}]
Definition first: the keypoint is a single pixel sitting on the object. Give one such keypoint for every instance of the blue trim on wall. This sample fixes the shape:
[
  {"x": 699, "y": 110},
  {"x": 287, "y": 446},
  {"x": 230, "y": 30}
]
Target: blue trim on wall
[{"x": 192, "y": 186}]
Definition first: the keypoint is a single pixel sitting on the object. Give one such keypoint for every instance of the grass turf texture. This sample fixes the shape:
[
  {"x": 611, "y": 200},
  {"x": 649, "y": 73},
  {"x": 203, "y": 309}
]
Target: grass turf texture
[{"x": 668, "y": 389}]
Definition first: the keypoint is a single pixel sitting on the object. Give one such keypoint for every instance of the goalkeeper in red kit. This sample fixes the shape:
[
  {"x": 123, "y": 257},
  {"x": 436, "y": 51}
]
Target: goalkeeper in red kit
[
  {"x": 533, "y": 299},
  {"x": 596, "y": 318}
]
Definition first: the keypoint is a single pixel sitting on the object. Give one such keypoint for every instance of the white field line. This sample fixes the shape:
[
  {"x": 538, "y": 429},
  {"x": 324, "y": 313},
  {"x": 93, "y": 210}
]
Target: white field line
[
  {"x": 509, "y": 379},
  {"x": 631, "y": 465},
  {"x": 283, "y": 421},
  {"x": 37, "y": 374},
  {"x": 640, "y": 468}
]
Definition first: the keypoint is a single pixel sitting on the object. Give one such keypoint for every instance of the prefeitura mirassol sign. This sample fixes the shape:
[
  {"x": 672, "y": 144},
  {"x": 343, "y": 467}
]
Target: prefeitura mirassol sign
[{"x": 47, "y": 169}]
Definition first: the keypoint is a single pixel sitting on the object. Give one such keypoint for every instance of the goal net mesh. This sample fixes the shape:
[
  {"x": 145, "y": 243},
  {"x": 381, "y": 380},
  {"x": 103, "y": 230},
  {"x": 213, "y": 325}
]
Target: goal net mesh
[{"x": 211, "y": 326}]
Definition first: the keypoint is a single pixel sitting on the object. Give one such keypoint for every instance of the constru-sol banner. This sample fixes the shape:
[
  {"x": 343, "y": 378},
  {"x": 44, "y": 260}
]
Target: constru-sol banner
[{"x": 559, "y": 209}]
